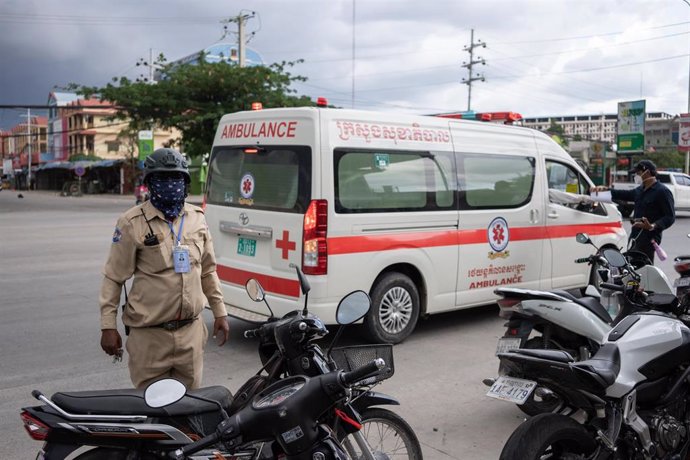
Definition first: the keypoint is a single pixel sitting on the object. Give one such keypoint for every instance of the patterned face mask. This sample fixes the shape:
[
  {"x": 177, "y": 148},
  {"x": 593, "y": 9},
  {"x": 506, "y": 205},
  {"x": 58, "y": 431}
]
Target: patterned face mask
[{"x": 167, "y": 195}]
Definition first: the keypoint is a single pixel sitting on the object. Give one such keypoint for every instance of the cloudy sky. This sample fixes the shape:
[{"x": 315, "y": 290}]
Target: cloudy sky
[{"x": 543, "y": 57}]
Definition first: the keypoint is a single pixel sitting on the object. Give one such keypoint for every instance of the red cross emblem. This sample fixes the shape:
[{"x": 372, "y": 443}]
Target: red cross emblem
[
  {"x": 499, "y": 234},
  {"x": 285, "y": 244},
  {"x": 247, "y": 186}
]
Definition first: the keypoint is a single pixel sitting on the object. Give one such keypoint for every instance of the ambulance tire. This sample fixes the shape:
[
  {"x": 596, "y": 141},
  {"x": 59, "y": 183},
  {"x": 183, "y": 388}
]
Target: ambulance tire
[{"x": 394, "y": 309}]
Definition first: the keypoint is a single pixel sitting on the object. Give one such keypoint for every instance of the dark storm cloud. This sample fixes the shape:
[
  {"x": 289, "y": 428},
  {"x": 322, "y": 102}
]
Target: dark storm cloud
[{"x": 408, "y": 54}]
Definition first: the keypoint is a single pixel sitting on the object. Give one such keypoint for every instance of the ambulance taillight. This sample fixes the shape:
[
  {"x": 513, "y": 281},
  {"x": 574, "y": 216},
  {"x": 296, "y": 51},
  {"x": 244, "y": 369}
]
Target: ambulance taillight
[{"x": 314, "y": 244}]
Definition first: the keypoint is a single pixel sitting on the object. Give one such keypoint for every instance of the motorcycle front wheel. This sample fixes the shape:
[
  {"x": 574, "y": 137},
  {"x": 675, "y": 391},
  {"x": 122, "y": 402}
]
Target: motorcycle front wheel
[
  {"x": 389, "y": 436},
  {"x": 549, "y": 437}
]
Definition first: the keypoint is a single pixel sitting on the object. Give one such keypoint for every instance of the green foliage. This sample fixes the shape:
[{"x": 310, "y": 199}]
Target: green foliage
[
  {"x": 193, "y": 97},
  {"x": 663, "y": 158}
]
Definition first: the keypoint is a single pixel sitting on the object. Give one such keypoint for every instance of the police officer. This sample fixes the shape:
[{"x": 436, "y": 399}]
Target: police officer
[
  {"x": 654, "y": 207},
  {"x": 165, "y": 245}
]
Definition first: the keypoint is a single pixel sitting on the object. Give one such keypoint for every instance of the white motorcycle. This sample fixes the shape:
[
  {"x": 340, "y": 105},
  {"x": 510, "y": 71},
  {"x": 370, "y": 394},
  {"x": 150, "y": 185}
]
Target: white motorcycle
[
  {"x": 560, "y": 321},
  {"x": 630, "y": 401}
]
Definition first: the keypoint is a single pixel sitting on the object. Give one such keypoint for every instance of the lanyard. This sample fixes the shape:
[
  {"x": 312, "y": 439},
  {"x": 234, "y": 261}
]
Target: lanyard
[{"x": 179, "y": 229}]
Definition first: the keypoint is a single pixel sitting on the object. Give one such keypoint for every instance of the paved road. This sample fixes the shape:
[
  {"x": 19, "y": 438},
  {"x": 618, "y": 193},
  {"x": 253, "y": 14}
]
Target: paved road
[{"x": 52, "y": 250}]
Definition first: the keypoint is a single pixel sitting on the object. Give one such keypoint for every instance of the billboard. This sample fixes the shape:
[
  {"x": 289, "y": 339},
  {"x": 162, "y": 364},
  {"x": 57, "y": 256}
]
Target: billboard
[
  {"x": 684, "y": 132},
  {"x": 145, "y": 144},
  {"x": 631, "y": 117}
]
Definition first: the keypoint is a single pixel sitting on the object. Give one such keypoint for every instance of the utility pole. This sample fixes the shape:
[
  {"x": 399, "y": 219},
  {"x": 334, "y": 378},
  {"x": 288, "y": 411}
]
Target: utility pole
[
  {"x": 151, "y": 79},
  {"x": 241, "y": 20},
  {"x": 28, "y": 146},
  {"x": 468, "y": 65}
]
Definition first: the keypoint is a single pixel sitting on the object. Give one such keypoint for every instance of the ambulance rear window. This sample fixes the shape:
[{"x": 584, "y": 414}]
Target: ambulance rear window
[{"x": 269, "y": 178}]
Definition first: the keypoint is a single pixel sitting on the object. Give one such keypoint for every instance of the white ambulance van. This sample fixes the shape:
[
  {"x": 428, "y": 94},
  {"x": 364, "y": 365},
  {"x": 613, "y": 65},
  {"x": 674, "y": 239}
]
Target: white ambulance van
[{"x": 426, "y": 214}]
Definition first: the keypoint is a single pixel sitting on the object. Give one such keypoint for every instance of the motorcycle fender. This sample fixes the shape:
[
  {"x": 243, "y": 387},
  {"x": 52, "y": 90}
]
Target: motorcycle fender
[
  {"x": 56, "y": 451},
  {"x": 374, "y": 398},
  {"x": 570, "y": 316}
]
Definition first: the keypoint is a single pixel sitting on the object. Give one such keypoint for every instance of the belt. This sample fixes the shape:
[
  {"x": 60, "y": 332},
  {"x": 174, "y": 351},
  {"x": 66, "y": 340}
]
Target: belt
[{"x": 175, "y": 324}]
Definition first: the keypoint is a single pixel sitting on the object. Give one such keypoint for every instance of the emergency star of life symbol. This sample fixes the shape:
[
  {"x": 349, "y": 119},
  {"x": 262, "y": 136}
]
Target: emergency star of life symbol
[
  {"x": 247, "y": 186},
  {"x": 499, "y": 234}
]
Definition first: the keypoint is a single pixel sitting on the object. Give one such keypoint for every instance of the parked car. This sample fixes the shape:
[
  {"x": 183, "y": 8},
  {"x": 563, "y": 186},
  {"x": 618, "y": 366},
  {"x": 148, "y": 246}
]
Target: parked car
[{"x": 678, "y": 183}]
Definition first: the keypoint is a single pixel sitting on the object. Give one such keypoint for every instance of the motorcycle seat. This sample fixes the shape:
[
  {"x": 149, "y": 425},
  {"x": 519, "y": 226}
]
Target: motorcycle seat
[
  {"x": 131, "y": 402},
  {"x": 590, "y": 303},
  {"x": 551, "y": 355},
  {"x": 603, "y": 366}
]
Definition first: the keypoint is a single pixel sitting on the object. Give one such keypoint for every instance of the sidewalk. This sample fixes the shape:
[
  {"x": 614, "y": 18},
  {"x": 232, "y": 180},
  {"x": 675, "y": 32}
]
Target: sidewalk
[{"x": 192, "y": 199}]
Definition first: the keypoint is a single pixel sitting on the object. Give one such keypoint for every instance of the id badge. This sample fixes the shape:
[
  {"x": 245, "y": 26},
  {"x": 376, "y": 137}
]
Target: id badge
[{"x": 181, "y": 259}]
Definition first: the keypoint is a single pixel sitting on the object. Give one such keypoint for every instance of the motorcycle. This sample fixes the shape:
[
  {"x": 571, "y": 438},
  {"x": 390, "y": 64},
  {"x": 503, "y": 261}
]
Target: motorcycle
[
  {"x": 188, "y": 420},
  {"x": 681, "y": 265},
  {"x": 141, "y": 193},
  {"x": 630, "y": 401},
  {"x": 574, "y": 325}
]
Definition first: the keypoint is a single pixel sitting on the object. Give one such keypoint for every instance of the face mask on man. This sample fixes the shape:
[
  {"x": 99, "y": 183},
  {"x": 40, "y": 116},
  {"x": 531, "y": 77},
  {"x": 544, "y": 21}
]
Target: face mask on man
[
  {"x": 638, "y": 179},
  {"x": 167, "y": 195}
]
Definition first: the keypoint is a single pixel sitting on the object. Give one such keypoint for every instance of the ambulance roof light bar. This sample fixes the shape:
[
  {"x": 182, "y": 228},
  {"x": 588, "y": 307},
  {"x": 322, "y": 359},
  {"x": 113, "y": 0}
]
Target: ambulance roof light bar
[
  {"x": 257, "y": 106},
  {"x": 321, "y": 101}
]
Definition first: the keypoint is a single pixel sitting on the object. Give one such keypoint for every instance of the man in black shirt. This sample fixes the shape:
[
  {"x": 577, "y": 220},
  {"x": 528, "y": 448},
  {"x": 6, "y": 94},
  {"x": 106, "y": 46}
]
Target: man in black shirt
[{"x": 654, "y": 208}]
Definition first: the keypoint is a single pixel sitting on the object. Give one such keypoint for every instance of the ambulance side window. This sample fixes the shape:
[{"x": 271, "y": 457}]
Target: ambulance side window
[
  {"x": 495, "y": 181},
  {"x": 564, "y": 178},
  {"x": 388, "y": 181}
]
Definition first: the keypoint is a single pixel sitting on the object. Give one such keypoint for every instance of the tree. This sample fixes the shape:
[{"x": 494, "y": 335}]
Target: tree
[
  {"x": 194, "y": 97},
  {"x": 557, "y": 133}
]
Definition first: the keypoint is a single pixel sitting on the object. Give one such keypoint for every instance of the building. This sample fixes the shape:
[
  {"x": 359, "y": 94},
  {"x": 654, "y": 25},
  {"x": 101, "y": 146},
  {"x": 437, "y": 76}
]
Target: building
[
  {"x": 57, "y": 124},
  {"x": 603, "y": 127}
]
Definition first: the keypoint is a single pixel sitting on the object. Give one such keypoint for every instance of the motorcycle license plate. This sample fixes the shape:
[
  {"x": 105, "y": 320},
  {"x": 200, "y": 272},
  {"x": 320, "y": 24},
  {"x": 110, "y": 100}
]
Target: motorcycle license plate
[
  {"x": 507, "y": 343},
  {"x": 512, "y": 389},
  {"x": 681, "y": 282}
]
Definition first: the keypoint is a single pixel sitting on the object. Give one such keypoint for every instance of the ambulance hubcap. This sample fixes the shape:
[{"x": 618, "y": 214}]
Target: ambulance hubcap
[{"x": 396, "y": 310}]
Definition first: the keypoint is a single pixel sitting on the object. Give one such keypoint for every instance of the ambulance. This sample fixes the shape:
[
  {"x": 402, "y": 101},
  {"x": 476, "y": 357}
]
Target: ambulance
[{"x": 427, "y": 214}]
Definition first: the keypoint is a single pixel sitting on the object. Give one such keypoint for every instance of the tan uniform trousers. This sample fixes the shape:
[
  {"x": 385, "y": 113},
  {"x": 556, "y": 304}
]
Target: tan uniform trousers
[{"x": 155, "y": 354}]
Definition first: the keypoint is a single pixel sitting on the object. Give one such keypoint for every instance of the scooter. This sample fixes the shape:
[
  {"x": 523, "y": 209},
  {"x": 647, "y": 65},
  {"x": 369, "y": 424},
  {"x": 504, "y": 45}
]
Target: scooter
[
  {"x": 577, "y": 326},
  {"x": 630, "y": 401}
]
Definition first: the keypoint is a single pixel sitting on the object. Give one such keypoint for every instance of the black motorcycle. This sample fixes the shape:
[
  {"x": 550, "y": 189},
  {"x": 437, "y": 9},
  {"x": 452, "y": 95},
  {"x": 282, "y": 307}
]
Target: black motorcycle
[
  {"x": 124, "y": 424},
  {"x": 288, "y": 347}
]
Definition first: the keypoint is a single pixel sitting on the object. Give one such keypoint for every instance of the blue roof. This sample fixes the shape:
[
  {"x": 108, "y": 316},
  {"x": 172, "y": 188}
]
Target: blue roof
[{"x": 75, "y": 164}]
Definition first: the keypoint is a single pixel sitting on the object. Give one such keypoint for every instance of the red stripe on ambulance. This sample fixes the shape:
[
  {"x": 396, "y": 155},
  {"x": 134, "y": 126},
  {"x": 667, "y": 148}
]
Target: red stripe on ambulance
[
  {"x": 358, "y": 244},
  {"x": 269, "y": 283}
]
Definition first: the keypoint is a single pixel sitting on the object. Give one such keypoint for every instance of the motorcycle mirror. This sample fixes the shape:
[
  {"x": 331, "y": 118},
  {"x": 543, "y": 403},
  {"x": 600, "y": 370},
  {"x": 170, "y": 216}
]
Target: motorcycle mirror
[
  {"x": 352, "y": 307},
  {"x": 164, "y": 392},
  {"x": 304, "y": 285},
  {"x": 583, "y": 238},
  {"x": 255, "y": 290},
  {"x": 614, "y": 257}
]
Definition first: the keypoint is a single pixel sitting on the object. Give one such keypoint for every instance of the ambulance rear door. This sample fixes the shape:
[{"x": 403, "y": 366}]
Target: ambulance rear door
[{"x": 259, "y": 187}]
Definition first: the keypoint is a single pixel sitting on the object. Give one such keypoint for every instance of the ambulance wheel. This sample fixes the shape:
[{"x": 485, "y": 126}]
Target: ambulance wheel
[{"x": 394, "y": 309}]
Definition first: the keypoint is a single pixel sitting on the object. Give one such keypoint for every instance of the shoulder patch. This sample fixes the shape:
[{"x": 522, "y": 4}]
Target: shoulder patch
[{"x": 117, "y": 235}]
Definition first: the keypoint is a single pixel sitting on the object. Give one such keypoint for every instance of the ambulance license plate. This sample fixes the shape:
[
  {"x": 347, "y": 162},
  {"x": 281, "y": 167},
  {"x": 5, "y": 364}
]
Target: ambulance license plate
[
  {"x": 682, "y": 282},
  {"x": 512, "y": 389},
  {"x": 246, "y": 247},
  {"x": 508, "y": 343}
]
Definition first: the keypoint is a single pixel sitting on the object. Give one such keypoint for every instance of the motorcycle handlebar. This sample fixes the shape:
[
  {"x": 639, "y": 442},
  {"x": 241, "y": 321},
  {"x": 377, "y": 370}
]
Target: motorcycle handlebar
[
  {"x": 349, "y": 378},
  {"x": 252, "y": 333},
  {"x": 582, "y": 260},
  {"x": 181, "y": 454},
  {"x": 612, "y": 287}
]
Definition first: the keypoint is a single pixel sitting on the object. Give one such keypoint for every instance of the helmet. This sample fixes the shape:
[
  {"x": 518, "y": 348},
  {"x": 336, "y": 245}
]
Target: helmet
[{"x": 166, "y": 160}]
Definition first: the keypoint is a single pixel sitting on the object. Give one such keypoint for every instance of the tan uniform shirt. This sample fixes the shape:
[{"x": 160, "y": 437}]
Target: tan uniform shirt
[{"x": 159, "y": 294}]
